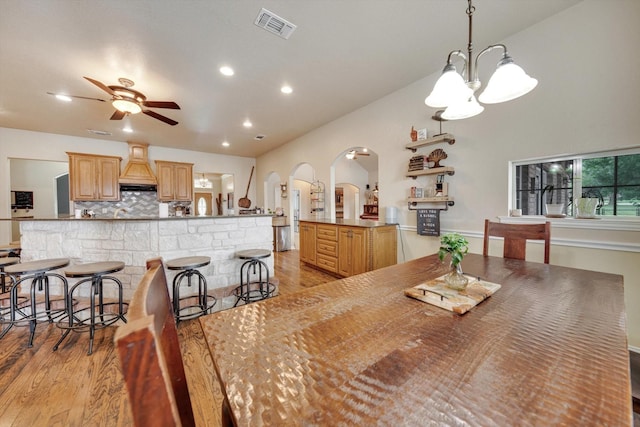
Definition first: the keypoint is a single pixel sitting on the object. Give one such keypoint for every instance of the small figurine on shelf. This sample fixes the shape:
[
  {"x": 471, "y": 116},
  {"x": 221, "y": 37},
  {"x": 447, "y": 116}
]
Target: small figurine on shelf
[
  {"x": 437, "y": 155},
  {"x": 414, "y": 134}
]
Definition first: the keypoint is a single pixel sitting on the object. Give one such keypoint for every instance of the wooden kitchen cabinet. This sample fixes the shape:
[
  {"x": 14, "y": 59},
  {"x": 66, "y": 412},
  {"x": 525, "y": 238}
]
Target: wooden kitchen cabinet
[
  {"x": 93, "y": 177},
  {"x": 353, "y": 244},
  {"x": 347, "y": 250},
  {"x": 308, "y": 243},
  {"x": 327, "y": 247},
  {"x": 175, "y": 181}
]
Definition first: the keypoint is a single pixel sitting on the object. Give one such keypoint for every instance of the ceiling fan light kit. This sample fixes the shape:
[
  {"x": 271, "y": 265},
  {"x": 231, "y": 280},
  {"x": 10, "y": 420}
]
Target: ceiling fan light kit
[
  {"x": 128, "y": 101},
  {"x": 456, "y": 93},
  {"x": 126, "y": 106}
]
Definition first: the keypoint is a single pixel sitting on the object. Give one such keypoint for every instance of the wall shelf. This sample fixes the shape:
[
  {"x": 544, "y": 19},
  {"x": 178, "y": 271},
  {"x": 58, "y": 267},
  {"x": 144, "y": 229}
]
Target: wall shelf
[
  {"x": 444, "y": 137},
  {"x": 449, "y": 170},
  {"x": 414, "y": 201}
]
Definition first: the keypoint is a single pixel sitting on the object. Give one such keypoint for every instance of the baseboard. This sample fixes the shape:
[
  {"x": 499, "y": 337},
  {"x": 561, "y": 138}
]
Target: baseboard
[{"x": 634, "y": 349}]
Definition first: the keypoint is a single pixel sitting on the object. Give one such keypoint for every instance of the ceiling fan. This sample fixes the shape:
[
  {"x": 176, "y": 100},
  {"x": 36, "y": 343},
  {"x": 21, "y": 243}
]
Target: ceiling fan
[
  {"x": 128, "y": 101},
  {"x": 353, "y": 154}
]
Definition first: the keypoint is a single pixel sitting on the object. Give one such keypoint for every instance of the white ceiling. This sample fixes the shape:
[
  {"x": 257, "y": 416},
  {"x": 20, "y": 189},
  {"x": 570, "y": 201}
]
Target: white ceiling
[{"x": 343, "y": 55}]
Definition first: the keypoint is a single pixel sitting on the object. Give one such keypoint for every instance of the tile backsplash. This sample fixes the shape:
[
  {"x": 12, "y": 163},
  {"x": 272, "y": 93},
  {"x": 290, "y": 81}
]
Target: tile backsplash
[{"x": 137, "y": 204}]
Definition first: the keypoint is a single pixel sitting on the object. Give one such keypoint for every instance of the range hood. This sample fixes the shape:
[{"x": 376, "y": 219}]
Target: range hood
[{"x": 137, "y": 174}]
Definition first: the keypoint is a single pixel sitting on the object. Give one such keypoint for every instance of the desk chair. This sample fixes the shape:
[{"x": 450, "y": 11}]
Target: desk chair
[
  {"x": 149, "y": 352},
  {"x": 516, "y": 236}
]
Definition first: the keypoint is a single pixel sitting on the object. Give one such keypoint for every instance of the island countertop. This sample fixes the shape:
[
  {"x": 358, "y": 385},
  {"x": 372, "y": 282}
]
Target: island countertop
[{"x": 350, "y": 222}]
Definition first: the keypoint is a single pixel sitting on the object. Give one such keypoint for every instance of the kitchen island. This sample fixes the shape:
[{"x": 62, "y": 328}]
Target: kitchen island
[
  {"x": 134, "y": 240},
  {"x": 347, "y": 247}
]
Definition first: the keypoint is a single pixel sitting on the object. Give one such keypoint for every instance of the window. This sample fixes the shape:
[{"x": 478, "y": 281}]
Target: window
[{"x": 612, "y": 178}]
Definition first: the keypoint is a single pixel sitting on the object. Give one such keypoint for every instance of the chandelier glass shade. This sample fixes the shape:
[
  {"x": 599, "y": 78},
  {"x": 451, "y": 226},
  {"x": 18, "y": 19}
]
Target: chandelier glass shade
[{"x": 456, "y": 93}]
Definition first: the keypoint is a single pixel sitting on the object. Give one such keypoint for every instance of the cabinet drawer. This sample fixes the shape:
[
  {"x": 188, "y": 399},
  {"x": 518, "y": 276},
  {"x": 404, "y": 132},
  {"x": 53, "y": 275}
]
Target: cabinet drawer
[
  {"x": 327, "y": 247},
  {"x": 327, "y": 232},
  {"x": 327, "y": 263}
]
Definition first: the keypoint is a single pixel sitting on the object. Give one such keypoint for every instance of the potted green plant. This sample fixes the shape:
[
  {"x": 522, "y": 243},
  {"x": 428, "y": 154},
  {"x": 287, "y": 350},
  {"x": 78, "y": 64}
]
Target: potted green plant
[{"x": 455, "y": 246}]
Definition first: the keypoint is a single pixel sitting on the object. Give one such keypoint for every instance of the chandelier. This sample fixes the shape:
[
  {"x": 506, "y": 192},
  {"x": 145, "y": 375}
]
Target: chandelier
[
  {"x": 457, "y": 92},
  {"x": 204, "y": 182}
]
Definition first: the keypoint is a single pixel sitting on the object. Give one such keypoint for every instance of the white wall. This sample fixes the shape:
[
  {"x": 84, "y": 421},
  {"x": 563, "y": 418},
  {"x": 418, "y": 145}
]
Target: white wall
[{"x": 588, "y": 99}]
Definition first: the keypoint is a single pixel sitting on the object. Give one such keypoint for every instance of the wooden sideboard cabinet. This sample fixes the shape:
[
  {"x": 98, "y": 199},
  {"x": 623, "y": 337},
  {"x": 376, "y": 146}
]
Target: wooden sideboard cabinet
[
  {"x": 93, "y": 177},
  {"x": 175, "y": 181},
  {"x": 347, "y": 250}
]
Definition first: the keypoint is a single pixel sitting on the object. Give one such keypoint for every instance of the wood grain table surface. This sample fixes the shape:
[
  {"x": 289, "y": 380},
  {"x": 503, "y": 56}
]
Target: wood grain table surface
[{"x": 548, "y": 348}]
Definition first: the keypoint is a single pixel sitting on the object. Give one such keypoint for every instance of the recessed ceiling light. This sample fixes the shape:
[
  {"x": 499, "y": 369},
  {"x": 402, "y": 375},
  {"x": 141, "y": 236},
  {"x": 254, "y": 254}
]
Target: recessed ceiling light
[
  {"x": 65, "y": 98},
  {"x": 227, "y": 71},
  {"x": 225, "y": 144},
  {"x": 364, "y": 150},
  {"x": 127, "y": 129},
  {"x": 247, "y": 123},
  {"x": 286, "y": 89}
]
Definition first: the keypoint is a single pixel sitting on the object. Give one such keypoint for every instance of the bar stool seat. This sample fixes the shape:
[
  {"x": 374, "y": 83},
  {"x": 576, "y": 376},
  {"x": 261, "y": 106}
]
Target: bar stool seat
[
  {"x": 40, "y": 273},
  {"x": 253, "y": 290},
  {"x": 97, "y": 315},
  {"x": 12, "y": 250},
  {"x": 188, "y": 268}
]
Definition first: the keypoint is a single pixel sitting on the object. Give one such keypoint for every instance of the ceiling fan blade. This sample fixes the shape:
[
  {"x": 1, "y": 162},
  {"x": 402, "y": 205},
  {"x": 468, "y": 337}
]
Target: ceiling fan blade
[
  {"x": 161, "y": 104},
  {"x": 160, "y": 117},
  {"x": 101, "y": 86},
  {"x": 118, "y": 115},
  {"x": 77, "y": 96}
]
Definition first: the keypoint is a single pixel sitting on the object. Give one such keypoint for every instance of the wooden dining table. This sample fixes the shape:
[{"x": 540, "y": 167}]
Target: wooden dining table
[{"x": 548, "y": 348}]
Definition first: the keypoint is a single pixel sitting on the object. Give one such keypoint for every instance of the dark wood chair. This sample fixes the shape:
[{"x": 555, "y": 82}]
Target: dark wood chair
[
  {"x": 149, "y": 353},
  {"x": 515, "y": 237}
]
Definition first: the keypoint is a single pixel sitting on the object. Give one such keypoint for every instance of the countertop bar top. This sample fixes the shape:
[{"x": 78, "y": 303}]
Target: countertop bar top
[
  {"x": 139, "y": 218},
  {"x": 352, "y": 222}
]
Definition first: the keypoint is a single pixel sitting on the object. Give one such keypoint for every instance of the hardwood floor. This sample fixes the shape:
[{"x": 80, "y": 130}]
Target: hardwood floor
[{"x": 40, "y": 387}]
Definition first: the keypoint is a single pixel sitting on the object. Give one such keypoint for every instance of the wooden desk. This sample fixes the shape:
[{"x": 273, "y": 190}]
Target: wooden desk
[{"x": 549, "y": 348}]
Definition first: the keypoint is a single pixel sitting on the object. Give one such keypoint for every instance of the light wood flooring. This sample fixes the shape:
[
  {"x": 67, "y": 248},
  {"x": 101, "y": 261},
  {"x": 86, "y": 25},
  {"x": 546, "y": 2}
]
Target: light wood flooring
[{"x": 40, "y": 387}]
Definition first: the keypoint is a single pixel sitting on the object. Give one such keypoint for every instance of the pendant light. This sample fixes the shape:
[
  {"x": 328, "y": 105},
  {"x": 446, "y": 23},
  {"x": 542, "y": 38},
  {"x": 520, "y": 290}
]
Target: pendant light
[{"x": 456, "y": 92}]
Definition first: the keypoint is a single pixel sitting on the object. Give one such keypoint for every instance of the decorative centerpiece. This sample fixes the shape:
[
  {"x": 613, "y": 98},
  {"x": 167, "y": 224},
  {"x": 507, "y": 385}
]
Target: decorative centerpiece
[{"x": 457, "y": 246}]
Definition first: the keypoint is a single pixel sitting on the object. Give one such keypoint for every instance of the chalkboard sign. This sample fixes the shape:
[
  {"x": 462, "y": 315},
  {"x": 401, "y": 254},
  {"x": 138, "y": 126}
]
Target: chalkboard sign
[
  {"x": 22, "y": 199},
  {"x": 428, "y": 222}
]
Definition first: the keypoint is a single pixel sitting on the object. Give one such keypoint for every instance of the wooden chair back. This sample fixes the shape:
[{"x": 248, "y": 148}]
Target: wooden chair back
[
  {"x": 150, "y": 356},
  {"x": 515, "y": 237}
]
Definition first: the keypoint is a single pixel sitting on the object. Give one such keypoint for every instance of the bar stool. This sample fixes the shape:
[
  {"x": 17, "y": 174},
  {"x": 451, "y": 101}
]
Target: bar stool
[
  {"x": 256, "y": 290},
  {"x": 5, "y": 302},
  {"x": 4, "y": 262},
  {"x": 39, "y": 272},
  {"x": 188, "y": 268},
  {"x": 95, "y": 316}
]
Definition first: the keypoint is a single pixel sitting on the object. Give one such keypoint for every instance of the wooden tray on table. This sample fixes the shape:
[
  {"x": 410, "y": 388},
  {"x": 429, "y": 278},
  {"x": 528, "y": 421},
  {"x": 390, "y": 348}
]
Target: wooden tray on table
[{"x": 437, "y": 293}]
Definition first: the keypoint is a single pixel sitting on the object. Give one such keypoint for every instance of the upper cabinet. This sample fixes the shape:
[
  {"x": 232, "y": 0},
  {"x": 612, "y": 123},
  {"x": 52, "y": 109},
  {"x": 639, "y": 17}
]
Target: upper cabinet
[
  {"x": 175, "y": 181},
  {"x": 93, "y": 177}
]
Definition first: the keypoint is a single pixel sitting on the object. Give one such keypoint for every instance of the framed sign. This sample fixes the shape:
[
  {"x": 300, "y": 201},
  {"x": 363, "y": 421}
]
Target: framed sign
[{"x": 428, "y": 222}]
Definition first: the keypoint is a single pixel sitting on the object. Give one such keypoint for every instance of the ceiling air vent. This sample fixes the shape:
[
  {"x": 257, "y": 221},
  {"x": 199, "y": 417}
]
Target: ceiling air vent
[
  {"x": 274, "y": 24},
  {"x": 259, "y": 137}
]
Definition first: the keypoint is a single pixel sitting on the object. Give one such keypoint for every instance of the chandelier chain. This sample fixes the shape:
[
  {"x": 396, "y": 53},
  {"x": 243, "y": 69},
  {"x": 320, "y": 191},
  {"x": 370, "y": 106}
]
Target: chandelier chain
[{"x": 470, "y": 9}]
